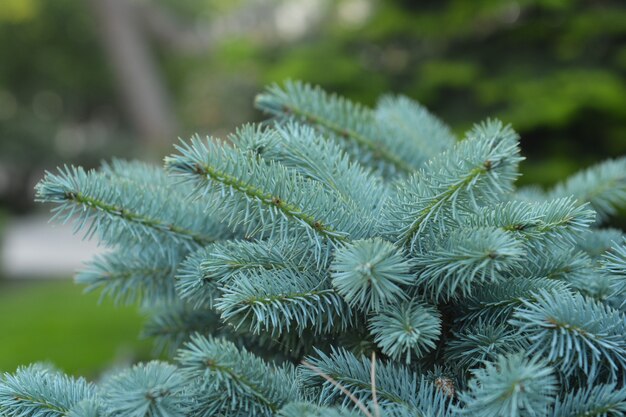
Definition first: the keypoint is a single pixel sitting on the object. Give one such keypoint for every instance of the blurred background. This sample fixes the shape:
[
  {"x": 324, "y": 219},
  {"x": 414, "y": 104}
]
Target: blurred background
[{"x": 83, "y": 80}]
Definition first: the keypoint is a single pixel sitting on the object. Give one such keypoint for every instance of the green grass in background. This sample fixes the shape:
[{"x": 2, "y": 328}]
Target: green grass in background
[{"x": 54, "y": 321}]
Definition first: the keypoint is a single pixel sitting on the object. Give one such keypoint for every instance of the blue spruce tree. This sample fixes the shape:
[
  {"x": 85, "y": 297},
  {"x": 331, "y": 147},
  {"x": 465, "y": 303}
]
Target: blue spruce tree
[{"x": 344, "y": 261}]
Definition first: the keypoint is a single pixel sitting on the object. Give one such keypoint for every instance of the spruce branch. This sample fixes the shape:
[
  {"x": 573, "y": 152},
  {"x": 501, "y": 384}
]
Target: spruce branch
[
  {"x": 575, "y": 332},
  {"x": 602, "y": 185},
  {"x": 369, "y": 274},
  {"x": 87, "y": 408},
  {"x": 417, "y": 134},
  {"x": 348, "y": 122},
  {"x": 397, "y": 386},
  {"x": 36, "y": 391},
  {"x": 171, "y": 325},
  {"x": 230, "y": 379},
  {"x": 154, "y": 389},
  {"x": 605, "y": 400},
  {"x": 597, "y": 242},
  {"x": 466, "y": 259},
  {"x": 499, "y": 300},
  {"x": 615, "y": 260},
  {"x": 226, "y": 259},
  {"x": 614, "y": 263},
  {"x": 128, "y": 275},
  {"x": 478, "y": 170},
  {"x": 303, "y": 150},
  {"x": 266, "y": 199},
  {"x": 310, "y": 410},
  {"x": 282, "y": 301},
  {"x": 410, "y": 330},
  {"x": 511, "y": 386},
  {"x": 556, "y": 222},
  {"x": 482, "y": 341},
  {"x": 200, "y": 277},
  {"x": 192, "y": 285},
  {"x": 118, "y": 210},
  {"x": 341, "y": 388},
  {"x": 555, "y": 262}
]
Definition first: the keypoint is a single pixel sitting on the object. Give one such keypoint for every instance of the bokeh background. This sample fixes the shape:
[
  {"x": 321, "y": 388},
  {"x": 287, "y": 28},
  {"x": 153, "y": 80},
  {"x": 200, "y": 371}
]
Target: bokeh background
[{"x": 83, "y": 80}]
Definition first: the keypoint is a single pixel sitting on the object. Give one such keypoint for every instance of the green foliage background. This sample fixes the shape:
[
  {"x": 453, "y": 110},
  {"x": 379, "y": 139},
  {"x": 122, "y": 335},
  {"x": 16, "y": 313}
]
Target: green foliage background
[
  {"x": 53, "y": 321},
  {"x": 554, "y": 69}
]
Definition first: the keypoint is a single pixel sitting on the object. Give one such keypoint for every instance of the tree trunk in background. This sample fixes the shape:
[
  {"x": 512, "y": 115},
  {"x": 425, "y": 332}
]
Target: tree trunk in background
[{"x": 139, "y": 81}]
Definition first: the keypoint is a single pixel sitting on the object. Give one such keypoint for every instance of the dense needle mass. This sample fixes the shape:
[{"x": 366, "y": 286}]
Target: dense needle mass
[{"x": 342, "y": 261}]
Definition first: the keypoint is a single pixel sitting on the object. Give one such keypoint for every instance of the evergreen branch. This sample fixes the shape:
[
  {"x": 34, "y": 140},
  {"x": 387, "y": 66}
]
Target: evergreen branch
[
  {"x": 277, "y": 301},
  {"x": 172, "y": 325},
  {"x": 87, "y": 408},
  {"x": 154, "y": 389},
  {"x": 201, "y": 275},
  {"x": 562, "y": 218},
  {"x": 410, "y": 329},
  {"x": 554, "y": 262},
  {"x": 141, "y": 173},
  {"x": 265, "y": 198},
  {"x": 615, "y": 260},
  {"x": 230, "y": 379},
  {"x": 396, "y": 386},
  {"x": 325, "y": 254},
  {"x": 414, "y": 133},
  {"x": 36, "y": 391},
  {"x": 301, "y": 149},
  {"x": 498, "y": 301},
  {"x": 369, "y": 274},
  {"x": 478, "y": 170},
  {"x": 129, "y": 275},
  {"x": 598, "y": 285},
  {"x": 569, "y": 265},
  {"x": 466, "y": 259},
  {"x": 556, "y": 222},
  {"x": 573, "y": 331},
  {"x": 310, "y": 410},
  {"x": 229, "y": 258},
  {"x": 341, "y": 388},
  {"x": 592, "y": 401},
  {"x": 597, "y": 242},
  {"x": 603, "y": 186},
  {"x": 344, "y": 120},
  {"x": 192, "y": 285},
  {"x": 116, "y": 208},
  {"x": 480, "y": 342},
  {"x": 614, "y": 263},
  {"x": 512, "y": 386}
]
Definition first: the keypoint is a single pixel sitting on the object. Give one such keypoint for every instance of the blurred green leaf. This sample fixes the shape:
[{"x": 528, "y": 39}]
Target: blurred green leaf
[{"x": 40, "y": 318}]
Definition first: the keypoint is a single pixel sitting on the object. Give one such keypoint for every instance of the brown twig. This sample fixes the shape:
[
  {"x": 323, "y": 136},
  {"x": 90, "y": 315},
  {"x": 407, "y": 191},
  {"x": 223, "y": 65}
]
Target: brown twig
[{"x": 373, "y": 382}]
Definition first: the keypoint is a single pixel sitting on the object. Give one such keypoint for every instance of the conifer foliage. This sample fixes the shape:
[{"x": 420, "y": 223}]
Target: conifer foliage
[{"x": 339, "y": 260}]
